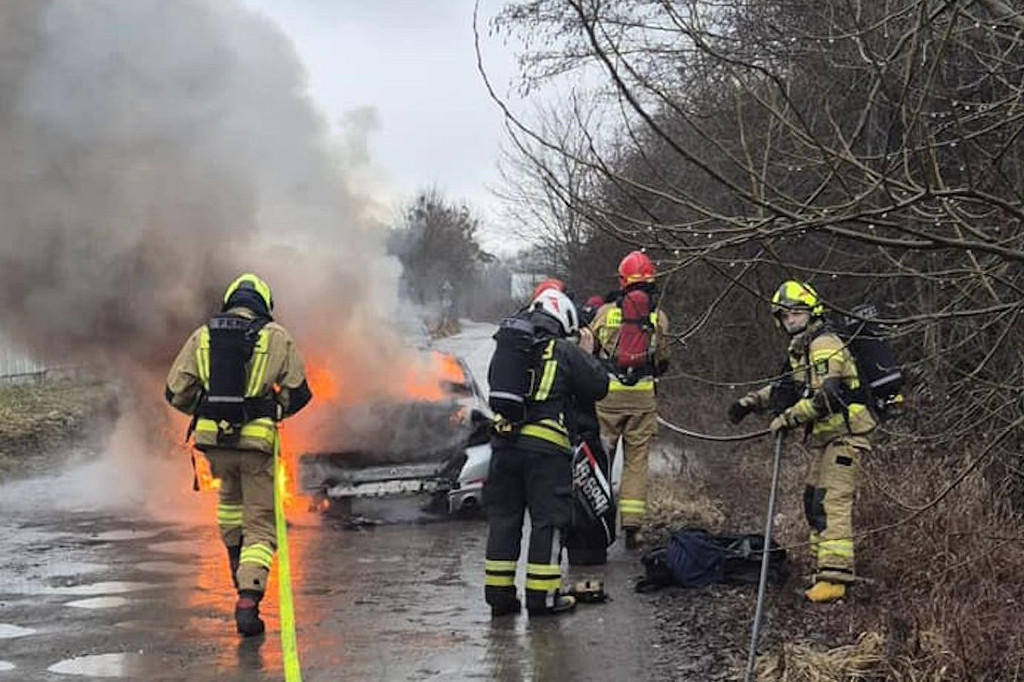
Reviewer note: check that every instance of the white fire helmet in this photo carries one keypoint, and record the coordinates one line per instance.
(559, 306)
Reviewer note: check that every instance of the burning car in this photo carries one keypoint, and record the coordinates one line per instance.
(431, 451)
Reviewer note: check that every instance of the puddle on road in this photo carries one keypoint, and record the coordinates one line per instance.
(99, 603)
(111, 587)
(167, 567)
(192, 547)
(8, 631)
(115, 535)
(142, 626)
(5, 666)
(100, 665)
(21, 585)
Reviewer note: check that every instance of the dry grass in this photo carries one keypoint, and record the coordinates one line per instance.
(678, 502)
(939, 593)
(871, 657)
(802, 663)
(37, 418)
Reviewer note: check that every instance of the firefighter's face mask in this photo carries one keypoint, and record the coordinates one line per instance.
(794, 321)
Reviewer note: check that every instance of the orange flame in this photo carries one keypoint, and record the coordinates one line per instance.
(204, 476)
(428, 380)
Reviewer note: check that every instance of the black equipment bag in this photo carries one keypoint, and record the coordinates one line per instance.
(694, 558)
(512, 372)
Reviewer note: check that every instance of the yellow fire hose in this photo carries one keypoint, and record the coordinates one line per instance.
(289, 646)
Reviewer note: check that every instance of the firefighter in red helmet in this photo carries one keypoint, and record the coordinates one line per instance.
(631, 335)
(549, 283)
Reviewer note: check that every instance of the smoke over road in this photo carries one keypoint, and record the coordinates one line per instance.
(149, 152)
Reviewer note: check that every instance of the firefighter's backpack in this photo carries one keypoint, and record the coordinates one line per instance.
(512, 372)
(633, 348)
(877, 367)
(232, 342)
(695, 558)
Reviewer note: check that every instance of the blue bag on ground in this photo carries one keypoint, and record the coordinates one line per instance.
(694, 558)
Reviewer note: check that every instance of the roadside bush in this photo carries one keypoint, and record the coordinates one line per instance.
(939, 553)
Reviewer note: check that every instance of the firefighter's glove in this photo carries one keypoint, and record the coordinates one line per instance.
(784, 422)
(740, 409)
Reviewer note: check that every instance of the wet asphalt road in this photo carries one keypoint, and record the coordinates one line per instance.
(92, 593)
(93, 589)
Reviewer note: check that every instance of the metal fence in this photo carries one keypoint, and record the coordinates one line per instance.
(16, 365)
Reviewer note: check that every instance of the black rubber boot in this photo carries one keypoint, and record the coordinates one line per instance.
(247, 613)
(234, 558)
(507, 609)
(631, 541)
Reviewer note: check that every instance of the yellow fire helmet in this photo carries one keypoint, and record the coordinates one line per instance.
(250, 281)
(793, 295)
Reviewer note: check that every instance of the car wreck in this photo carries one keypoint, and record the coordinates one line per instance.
(406, 458)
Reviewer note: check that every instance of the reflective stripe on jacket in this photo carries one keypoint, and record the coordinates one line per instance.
(274, 371)
(566, 375)
(817, 356)
(257, 434)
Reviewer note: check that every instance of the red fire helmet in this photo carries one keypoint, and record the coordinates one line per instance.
(549, 283)
(635, 267)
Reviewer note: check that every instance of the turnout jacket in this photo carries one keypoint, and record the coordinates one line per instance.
(275, 372)
(822, 379)
(568, 377)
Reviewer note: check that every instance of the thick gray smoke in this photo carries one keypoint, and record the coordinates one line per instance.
(152, 150)
(149, 152)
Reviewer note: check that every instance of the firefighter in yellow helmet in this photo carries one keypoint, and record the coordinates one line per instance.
(822, 394)
(238, 375)
(630, 336)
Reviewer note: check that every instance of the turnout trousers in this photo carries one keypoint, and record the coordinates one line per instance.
(828, 505)
(523, 480)
(245, 513)
(631, 415)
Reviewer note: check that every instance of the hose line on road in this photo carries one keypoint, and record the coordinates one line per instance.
(289, 646)
(707, 436)
(762, 586)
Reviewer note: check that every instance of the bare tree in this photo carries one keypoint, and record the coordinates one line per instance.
(437, 245)
(872, 147)
(542, 187)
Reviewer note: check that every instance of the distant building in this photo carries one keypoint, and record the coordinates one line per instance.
(523, 284)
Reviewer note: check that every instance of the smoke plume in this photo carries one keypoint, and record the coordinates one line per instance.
(149, 152)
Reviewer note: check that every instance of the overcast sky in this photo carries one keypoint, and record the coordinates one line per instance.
(413, 63)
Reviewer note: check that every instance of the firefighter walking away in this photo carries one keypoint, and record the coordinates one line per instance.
(630, 333)
(239, 375)
(821, 394)
(535, 375)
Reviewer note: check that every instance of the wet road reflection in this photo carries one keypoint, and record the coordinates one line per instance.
(99, 595)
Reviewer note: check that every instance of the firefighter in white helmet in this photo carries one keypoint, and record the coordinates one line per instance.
(530, 466)
(238, 375)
